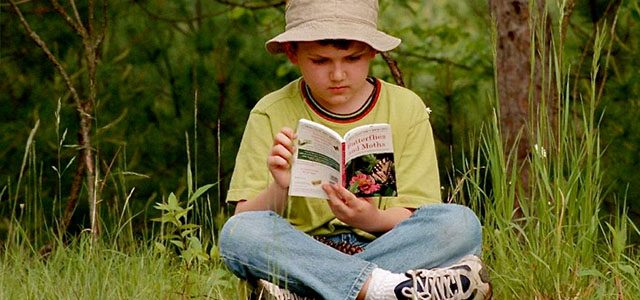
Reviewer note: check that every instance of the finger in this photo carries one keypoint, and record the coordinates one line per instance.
(343, 193)
(281, 151)
(371, 200)
(334, 200)
(285, 137)
(331, 194)
(288, 132)
(278, 162)
(283, 140)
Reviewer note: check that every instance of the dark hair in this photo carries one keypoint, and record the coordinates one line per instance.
(341, 44)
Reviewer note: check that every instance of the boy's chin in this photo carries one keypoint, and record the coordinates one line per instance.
(335, 100)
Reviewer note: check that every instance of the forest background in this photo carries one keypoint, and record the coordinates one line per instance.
(175, 80)
(160, 61)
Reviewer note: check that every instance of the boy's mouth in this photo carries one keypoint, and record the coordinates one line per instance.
(338, 89)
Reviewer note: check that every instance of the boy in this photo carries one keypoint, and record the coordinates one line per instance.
(414, 247)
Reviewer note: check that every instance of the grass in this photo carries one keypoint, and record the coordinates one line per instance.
(83, 270)
(563, 245)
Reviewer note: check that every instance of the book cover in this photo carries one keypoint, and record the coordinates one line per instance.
(362, 161)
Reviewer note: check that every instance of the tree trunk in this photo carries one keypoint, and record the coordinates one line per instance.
(513, 64)
(91, 41)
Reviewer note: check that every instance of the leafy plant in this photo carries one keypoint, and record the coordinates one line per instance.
(178, 234)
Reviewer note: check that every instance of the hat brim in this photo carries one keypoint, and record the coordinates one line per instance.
(316, 31)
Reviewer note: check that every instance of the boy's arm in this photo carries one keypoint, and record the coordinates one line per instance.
(275, 196)
(272, 198)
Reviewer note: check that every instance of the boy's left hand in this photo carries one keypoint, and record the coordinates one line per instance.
(360, 213)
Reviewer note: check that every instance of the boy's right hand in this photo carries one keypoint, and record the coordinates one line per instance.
(279, 160)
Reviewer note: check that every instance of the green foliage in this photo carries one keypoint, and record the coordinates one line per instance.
(179, 234)
(618, 87)
(158, 55)
(155, 58)
(445, 58)
(83, 269)
(559, 244)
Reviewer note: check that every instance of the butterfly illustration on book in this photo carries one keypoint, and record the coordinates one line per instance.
(305, 142)
(383, 171)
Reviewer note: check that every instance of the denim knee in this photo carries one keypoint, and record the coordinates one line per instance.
(457, 223)
(243, 231)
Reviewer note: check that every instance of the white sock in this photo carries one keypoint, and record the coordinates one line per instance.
(382, 284)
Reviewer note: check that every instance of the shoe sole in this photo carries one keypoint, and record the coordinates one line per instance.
(484, 276)
(269, 291)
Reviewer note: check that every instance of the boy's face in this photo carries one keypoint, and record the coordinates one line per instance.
(337, 77)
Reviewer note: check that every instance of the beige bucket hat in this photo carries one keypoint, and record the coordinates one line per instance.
(314, 20)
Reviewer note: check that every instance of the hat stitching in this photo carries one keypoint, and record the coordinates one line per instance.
(307, 24)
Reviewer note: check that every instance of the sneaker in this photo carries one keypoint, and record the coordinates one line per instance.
(465, 280)
(269, 291)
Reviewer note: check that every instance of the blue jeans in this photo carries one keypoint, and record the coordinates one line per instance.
(263, 245)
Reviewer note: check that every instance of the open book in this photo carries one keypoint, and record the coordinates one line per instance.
(362, 161)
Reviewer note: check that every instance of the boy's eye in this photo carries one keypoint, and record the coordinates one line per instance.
(318, 61)
(354, 58)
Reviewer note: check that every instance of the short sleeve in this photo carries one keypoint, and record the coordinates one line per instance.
(251, 174)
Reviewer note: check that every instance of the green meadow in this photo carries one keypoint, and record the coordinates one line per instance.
(171, 104)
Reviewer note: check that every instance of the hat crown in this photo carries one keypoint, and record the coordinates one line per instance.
(303, 12)
(315, 20)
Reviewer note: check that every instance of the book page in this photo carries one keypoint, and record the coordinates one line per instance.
(370, 164)
(317, 160)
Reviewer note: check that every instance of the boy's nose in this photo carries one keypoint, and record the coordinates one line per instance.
(337, 73)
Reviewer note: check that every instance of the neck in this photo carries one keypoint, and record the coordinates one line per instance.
(345, 114)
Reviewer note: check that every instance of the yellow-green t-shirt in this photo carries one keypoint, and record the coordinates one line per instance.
(414, 152)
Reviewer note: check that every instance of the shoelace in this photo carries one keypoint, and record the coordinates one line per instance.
(442, 284)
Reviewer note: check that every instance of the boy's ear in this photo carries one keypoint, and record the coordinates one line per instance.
(372, 52)
(290, 51)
